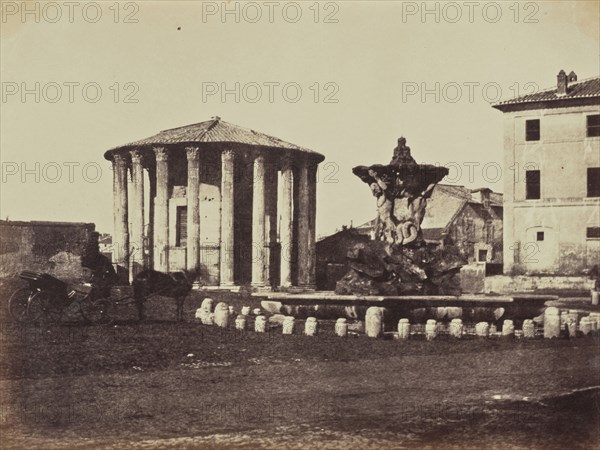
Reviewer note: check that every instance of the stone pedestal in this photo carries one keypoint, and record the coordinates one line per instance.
(260, 324)
(373, 322)
(508, 328)
(431, 330)
(551, 323)
(456, 328)
(341, 327)
(240, 323)
(528, 329)
(482, 329)
(221, 317)
(206, 310)
(311, 327)
(403, 329)
(288, 325)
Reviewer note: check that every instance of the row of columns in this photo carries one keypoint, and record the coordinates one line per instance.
(129, 250)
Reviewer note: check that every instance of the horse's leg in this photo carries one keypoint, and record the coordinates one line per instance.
(179, 301)
(139, 303)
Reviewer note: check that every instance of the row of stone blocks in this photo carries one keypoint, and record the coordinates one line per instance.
(555, 323)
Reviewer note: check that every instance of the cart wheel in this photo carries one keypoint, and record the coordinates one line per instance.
(18, 306)
(97, 311)
(51, 308)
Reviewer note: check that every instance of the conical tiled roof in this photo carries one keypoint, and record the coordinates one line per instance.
(213, 131)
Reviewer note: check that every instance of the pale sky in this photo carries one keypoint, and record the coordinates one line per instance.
(374, 58)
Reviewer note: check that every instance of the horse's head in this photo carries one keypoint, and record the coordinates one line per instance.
(594, 272)
(188, 276)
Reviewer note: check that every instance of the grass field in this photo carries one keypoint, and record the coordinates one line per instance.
(171, 385)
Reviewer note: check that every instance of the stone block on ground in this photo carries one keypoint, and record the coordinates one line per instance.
(311, 327)
(528, 329)
(508, 328)
(403, 329)
(456, 328)
(482, 329)
(431, 330)
(288, 325)
(221, 315)
(374, 322)
(341, 327)
(551, 322)
(260, 324)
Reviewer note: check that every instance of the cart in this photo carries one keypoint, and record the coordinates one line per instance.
(47, 297)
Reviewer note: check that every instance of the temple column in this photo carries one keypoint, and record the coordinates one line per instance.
(271, 268)
(136, 244)
(193, 209)
(312, 218)
(161, 211)
(285, 232)
(151, 202)
(304, 227)
(121, 232)
(227, 218)
(258, 222)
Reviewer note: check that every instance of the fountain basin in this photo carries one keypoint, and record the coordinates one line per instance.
(329, 305)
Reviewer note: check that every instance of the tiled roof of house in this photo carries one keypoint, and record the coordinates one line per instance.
(214, 130)
(445, 202)
(588, 88)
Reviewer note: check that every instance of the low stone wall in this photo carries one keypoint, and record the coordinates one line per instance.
(521, 283)
(472, 278)
(52, 247)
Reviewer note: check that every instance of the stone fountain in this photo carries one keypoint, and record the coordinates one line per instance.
(398, 261)
(397, 271)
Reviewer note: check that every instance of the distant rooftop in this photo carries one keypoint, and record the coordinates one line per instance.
(44, 223)
(567, 89)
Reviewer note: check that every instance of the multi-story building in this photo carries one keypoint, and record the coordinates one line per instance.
(552, 178)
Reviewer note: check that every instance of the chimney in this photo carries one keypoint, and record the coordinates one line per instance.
(572, 76)
(561, 83)
(485, 197)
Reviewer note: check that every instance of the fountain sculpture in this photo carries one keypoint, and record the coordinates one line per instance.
(398, 271)
(398, 261)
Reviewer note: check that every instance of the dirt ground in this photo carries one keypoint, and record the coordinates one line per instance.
(162, 384)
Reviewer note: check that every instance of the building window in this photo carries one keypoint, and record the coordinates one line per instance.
(181, 227)
(593, 182)
(593, 125)
(532, 130)
(540, 236)
(593, 233)
(532, 181)
(482, 256)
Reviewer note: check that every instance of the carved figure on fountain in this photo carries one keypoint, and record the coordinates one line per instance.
(398, 262)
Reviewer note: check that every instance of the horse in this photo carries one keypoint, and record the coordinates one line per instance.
(175, 285)
(594, 274)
